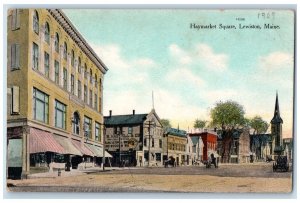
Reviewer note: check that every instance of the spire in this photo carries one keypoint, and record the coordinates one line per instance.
(152, 100)
(276, 118)
(178, 127)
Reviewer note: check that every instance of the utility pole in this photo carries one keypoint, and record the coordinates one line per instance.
(119, 149)
(149, 127)
(103, 159)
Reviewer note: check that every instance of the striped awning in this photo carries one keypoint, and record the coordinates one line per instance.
(96, 150)
(42, 141)
(67, 145)
(83, 149)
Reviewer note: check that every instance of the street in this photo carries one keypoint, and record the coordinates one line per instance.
(257, 177)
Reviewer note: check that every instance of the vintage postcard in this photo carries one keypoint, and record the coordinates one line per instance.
(150, 100)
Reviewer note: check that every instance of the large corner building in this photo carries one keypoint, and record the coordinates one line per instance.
(54, 93)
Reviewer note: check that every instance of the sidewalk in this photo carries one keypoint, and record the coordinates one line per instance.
(76, 172)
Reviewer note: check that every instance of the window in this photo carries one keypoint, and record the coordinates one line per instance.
(158, 156)
(15, 19)
(15, 100)
(97, 131)
(65, 53)
(56, 65)
(160, 143)
(100, 107)
(85, 94)
(91, 76)
(40, 106)
(46, 64)
(95, 101)
(35, 56)
(76, 123)
(56, 43)
(60, 115)
(91, 98)
(15, 56)
(72, 83)
(152, 142)
(85, 71)
(87, 127)
(65, 78)
(35, 22)
(129, 130)
(79, 89)
(100, 83)
(79, 65)
(47, 33)
(145, 142)
(96, 81)
(72, 58)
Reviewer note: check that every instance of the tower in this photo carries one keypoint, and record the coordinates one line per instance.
(276, 130)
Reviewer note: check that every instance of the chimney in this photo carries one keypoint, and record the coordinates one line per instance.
(110, 112)
(133, 112)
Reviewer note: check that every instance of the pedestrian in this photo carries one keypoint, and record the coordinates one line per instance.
(213, 160)
(140, 162)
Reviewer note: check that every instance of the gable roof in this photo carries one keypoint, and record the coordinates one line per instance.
(125, 119)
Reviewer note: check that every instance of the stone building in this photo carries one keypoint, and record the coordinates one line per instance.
(130, 138)
(54, 93)
(175, 142)
(276, 131)
(234, 147)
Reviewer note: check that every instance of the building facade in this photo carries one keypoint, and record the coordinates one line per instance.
(175, 142)
(54, 92)
(194, 150)
(276, 131)
(130, 138)
(209, 139)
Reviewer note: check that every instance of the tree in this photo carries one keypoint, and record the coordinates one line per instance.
(199, 123)
(165, 123)
(228, 115)
(259, 125)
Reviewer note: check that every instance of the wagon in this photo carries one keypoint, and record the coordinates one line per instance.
(281, 164)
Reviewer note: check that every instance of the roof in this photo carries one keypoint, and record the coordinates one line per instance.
(176, 132)
(276, 118)
(125, 119)
(195, 140)
(64, 21)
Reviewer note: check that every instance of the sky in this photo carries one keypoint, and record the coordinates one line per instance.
(190, 69)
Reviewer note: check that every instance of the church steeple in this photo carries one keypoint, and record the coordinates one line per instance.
(276, 118)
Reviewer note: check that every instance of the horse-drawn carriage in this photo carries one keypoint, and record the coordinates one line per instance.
(281, 164)
(170, 162)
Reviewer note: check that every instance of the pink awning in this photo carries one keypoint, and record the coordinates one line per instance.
(83, 149)
(42, 141)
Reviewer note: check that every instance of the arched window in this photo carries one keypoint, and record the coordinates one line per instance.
(56, 43)
(76, 123)
(79, 65)
(72, 58)
(65, 50)
(47, 33)
(35, 22)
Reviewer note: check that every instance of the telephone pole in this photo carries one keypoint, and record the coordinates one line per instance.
(149, 136)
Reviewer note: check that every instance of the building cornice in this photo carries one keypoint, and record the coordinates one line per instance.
(67, 25)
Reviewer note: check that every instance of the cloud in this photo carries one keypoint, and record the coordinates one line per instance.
(212, 61)
(186, 76)
(276, 61)
(201, 54)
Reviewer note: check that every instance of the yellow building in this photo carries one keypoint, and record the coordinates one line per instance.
(54, 93)
(175, 142)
